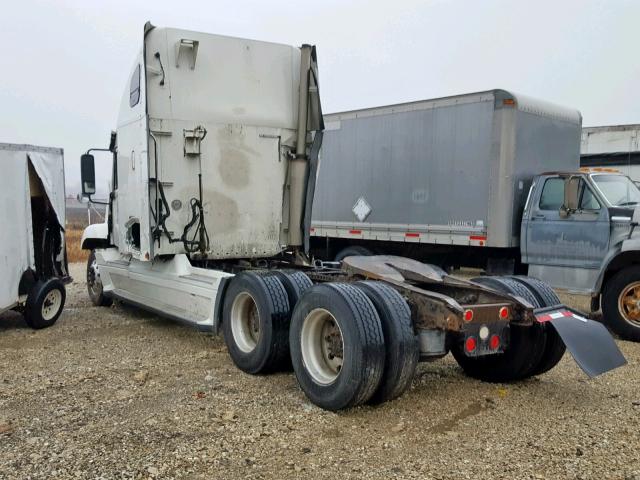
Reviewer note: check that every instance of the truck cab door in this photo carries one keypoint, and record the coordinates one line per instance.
(130, 198)
(565, 247)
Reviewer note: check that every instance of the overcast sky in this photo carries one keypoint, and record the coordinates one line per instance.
(66, 62)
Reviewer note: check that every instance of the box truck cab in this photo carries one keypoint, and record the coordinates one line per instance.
(578, 233)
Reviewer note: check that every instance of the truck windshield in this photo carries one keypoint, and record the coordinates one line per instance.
(619, 190)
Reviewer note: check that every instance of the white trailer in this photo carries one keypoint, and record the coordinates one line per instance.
(214, 166)
(33, 263)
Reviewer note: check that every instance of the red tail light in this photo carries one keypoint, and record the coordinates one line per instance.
(494, 342)
(503, 313)
(468, 315)
(470, 344)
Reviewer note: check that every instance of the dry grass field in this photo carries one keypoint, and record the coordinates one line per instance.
(73, 235)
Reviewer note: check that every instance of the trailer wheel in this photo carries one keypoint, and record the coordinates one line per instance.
(526, 344)
(337, 346)
(94, 283)
(401, 343)
(353, 250)
(621, 303)
(45, 302)
(554, 347)
(255, 323)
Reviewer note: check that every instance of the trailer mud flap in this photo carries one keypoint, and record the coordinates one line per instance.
(590, 343)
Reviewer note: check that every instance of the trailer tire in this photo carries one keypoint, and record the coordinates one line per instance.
(620, 318)
(353, 251)
(94, 283)
(554, 347)
(400, 341)
(525, 349)
(337, 346)
(255, 323)
(45, 303)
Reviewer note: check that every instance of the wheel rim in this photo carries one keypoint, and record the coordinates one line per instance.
(245, 322)
(51, 304)
(322, 346)
(629, 303)
(93, 279)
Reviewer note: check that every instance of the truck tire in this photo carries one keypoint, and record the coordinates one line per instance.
(45, 302)
(255, 323)
(401, 344)
(295, 283)
(353, 251)
(337, 346)
(621, 303)
(526, 345)
(94, 283)
(554, 347)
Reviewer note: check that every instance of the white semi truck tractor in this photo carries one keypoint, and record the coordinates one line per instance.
(214, 165)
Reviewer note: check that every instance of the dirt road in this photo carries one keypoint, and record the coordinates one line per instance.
(119, 393)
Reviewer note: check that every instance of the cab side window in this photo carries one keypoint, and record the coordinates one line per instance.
(552, 196)
(134, 88)
(588, 200)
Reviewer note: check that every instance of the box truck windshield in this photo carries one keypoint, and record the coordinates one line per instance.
(619, 190)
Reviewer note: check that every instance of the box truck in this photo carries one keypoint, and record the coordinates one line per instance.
(33, 262)
(214, 166)
(481, 180)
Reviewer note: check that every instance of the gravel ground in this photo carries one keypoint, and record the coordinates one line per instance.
(119, 393)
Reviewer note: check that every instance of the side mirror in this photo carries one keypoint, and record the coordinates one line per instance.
(571, 196)
(87, 175)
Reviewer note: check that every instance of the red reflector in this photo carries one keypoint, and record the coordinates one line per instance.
(477, 237)
(355, 232)
(412, 235)
(468, 315)
(494, 342)
(503, 312)
(470, 344)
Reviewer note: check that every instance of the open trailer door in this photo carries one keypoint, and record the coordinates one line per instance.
(33, 264)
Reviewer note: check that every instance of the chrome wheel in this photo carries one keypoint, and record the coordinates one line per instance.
(322, 346)
(51, 304)
(245, 322)
(629, 303)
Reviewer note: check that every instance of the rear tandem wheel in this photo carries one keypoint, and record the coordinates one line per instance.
(531, 351)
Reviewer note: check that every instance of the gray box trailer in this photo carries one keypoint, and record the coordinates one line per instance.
(450, 172)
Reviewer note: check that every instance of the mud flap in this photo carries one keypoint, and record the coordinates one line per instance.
(590, 343)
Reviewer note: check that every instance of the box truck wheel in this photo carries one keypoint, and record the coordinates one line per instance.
(337, 346)
(255, 323)
(94, 283)
(45, 302)
(554, 347)
(621, 303)
(524, 351)
(352, 251)
(401, 343)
